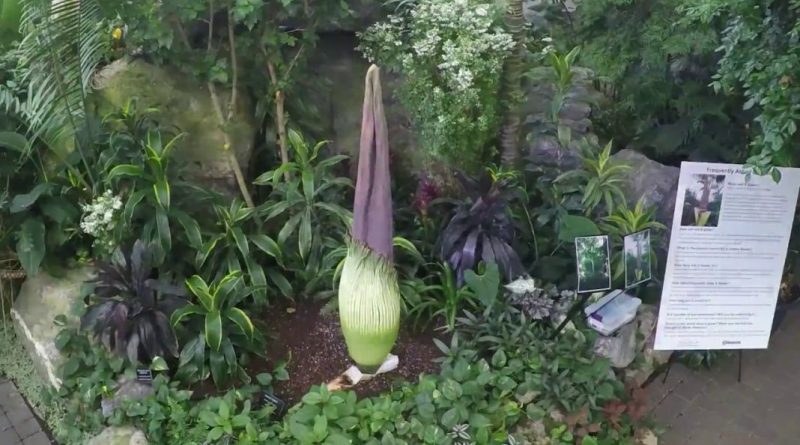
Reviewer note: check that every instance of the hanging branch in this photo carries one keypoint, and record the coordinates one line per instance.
(222, 119)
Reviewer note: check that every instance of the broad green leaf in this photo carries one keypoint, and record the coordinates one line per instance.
(13, 140)
(289, 228)
(25, 200)
(159, 364)
(182, 312)
(59, 210)
(241, 319)
(268, 246)
(308, 185)
(129, 170)
(280, 281)
(162, 193)
(30, 245)
(200, 289)
(257, 278)
(164, 233)
(213, 330)
(241, 242)
(573, 226)
(305, 235)
(190, 227)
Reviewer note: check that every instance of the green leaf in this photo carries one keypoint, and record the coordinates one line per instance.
(213, 330)
(257, 278)
(162, 193)
(59, 211)
(241, 242)
(30, 245)
(129, 170)
(280, 281)
(485, 286)
(190, 227)
(200, 289)
(289, 228)
(308, 185)
(25, 200)
(159, 364)
(241, 319)
(184, 311)
(164, 233)
(268, 246)
(304, 238)
(13, 140)
(573, 226)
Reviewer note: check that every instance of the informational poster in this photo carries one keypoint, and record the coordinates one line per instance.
(730, 235)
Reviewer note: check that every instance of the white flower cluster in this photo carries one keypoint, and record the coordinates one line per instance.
(451, 55)
(99, 219)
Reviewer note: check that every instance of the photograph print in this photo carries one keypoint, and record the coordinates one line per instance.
(638, 268)
(593, 257)
(702, 201)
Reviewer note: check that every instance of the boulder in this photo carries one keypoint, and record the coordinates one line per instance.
(128, 389)
(341, 70)
(651, 360)
(183, 103)
(41, 299)
(656, 183)
(620, 348)
(119, 435)
(544, 148)
(541, 13)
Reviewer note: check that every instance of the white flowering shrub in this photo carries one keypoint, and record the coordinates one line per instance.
(99, 221)
(450, 53)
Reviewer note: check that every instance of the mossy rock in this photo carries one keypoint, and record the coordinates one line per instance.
(115, 435)
(184, 103)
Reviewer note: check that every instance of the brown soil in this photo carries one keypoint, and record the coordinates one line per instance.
(313, 340)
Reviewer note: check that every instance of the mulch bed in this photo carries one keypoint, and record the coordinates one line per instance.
(313, 341)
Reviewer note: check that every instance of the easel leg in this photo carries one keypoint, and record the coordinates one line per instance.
(571, 313)
(739, 380)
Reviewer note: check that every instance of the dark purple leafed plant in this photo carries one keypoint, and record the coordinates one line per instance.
(481, 230)
(131, 310)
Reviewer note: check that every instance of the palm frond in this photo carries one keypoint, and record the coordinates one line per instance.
(61, 48)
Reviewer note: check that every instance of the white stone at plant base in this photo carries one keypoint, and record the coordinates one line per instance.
(620, 348)
(41, 299)
(116, 435)
(128, 389)
(651, 359)
(355, 375)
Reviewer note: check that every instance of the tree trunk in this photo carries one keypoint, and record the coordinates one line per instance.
(512, 86)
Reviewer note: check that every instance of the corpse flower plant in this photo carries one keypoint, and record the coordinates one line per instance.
(369, 295)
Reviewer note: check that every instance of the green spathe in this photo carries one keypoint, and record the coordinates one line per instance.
(369, 306)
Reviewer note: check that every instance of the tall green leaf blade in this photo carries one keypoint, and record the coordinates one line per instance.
(128, 170)
(258, 279)
(241, 319)
(30, 245)
(241, 242)
(305, 236)
(268, 246)
(14, 141)
(213, 330)
(200, 289)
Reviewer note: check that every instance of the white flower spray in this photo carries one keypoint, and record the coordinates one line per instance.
(100, 219)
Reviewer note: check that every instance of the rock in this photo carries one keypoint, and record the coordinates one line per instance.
(544, 148)
(184, 103)
(620, 348)
(530, 432)
(651, 360)
(127, 390)
(648, 179)
(41, 299)
(116, 435)
(541, 13)
(341, 70)
(646, 436)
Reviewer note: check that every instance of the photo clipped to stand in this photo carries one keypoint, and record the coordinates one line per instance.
(727, 250)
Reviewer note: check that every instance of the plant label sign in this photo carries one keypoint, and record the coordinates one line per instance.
(730, 234)
(144, 375)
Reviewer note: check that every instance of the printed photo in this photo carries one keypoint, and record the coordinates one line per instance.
(702, 201)
(637, 258)
(593, 257)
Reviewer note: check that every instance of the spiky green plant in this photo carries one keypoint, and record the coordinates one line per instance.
(369, 295)
(61, 47)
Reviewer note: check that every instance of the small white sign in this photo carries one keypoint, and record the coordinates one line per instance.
(730, 234)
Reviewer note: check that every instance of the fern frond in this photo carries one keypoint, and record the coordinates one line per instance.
(61, 48)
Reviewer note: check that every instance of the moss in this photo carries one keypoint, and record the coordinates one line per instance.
(16, 365)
